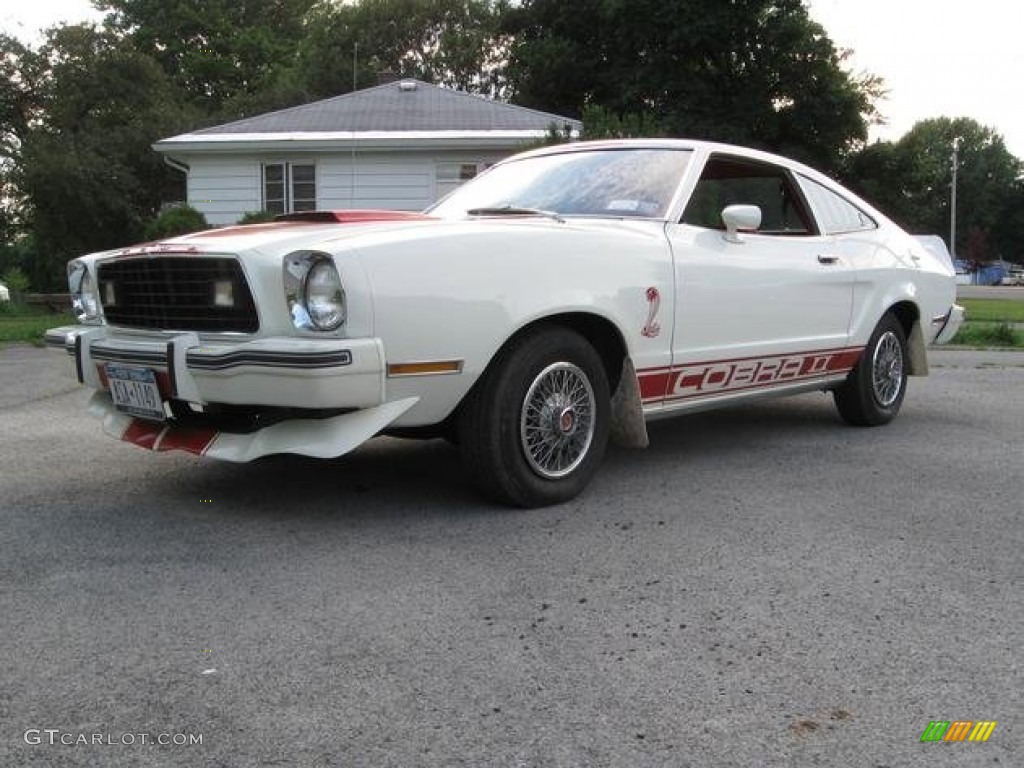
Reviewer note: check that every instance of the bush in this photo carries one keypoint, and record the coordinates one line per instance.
(17, 281)
(176, 221)
(256, 217)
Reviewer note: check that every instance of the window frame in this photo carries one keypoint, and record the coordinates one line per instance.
(785, 174)
(823, 221)
(289, 199)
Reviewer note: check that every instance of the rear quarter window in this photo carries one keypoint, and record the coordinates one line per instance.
(837, 214)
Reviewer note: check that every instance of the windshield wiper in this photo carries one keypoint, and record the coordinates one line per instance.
(511, 210)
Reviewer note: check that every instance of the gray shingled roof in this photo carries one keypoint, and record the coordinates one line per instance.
(394, 107)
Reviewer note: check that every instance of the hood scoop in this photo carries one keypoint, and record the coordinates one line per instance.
(358, 216)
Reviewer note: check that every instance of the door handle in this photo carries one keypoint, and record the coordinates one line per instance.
(823, 259)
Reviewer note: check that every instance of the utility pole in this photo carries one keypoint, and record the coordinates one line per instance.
(952, 204)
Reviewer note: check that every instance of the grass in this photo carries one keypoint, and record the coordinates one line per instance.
(22, 324)
(993, 310)
(979, 334)
(990, 323)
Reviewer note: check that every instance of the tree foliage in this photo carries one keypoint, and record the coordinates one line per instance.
(84, 168)
(20, 74)
(215, 50)
(179, 220)
(79, 113)
(454, 43)
(749, 71)
(911, 180)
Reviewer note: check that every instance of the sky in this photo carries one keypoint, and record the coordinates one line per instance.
(949, 58)
(938, 58)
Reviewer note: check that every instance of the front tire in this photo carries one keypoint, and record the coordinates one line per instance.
(874, 391)
(534, 429)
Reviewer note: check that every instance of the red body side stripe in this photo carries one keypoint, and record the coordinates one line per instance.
(721, 377)
(653, 385)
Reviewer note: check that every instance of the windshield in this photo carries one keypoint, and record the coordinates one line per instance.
(600, 182)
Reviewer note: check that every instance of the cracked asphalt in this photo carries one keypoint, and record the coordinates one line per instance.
(763, 586)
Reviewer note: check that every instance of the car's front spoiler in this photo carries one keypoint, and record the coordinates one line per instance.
(948, 324)
(319, 438)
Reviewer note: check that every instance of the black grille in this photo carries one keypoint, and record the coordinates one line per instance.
(176, 293)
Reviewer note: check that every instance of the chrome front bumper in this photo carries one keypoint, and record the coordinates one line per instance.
(275, 372)
(307, 374)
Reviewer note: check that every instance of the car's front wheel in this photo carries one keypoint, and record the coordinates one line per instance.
(874, 390)
(535, 427)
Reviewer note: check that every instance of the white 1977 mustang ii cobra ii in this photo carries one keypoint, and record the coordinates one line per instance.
(565, 296)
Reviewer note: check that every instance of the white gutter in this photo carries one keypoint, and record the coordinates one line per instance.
(343, 140)
(176, 164)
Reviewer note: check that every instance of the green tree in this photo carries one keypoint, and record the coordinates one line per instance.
(446, 42)
(20, 107)
(1006, 232)
(602, 123)
(85, 170)
(910, 180)
(749, 71)
(215, 50)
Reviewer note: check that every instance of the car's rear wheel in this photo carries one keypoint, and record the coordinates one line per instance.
(875, 388)
(535, 427)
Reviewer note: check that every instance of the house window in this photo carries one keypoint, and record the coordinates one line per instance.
(289, 187)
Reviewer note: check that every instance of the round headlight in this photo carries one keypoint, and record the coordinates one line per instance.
(324, 296)
(83, 293)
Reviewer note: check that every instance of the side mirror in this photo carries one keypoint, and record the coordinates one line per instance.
(740, 218)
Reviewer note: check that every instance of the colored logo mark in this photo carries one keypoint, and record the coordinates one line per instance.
(958, 730)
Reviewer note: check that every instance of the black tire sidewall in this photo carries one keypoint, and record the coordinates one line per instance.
(856, 399)
(503, 470)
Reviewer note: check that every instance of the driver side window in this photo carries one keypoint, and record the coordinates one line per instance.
(729, 181)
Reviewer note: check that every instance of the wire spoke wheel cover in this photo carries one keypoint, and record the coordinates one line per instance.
(557, 421)
(887, 369)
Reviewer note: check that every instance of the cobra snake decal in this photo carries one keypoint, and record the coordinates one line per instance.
(652, 328)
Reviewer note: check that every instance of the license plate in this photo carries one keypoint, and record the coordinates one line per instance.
(135, 392)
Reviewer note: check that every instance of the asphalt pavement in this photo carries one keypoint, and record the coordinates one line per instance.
(763, 586)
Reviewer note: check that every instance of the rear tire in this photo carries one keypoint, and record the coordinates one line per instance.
(534, 429)
(873, 392)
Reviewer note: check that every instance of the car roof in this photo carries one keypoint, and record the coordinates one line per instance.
(679, 144)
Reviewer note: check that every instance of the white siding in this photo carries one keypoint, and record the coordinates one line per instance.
(402, 182)
(225, 187)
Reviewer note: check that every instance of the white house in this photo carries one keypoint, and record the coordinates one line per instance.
(398, 146)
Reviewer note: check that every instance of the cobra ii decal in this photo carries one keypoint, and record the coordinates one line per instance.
(718, 377)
